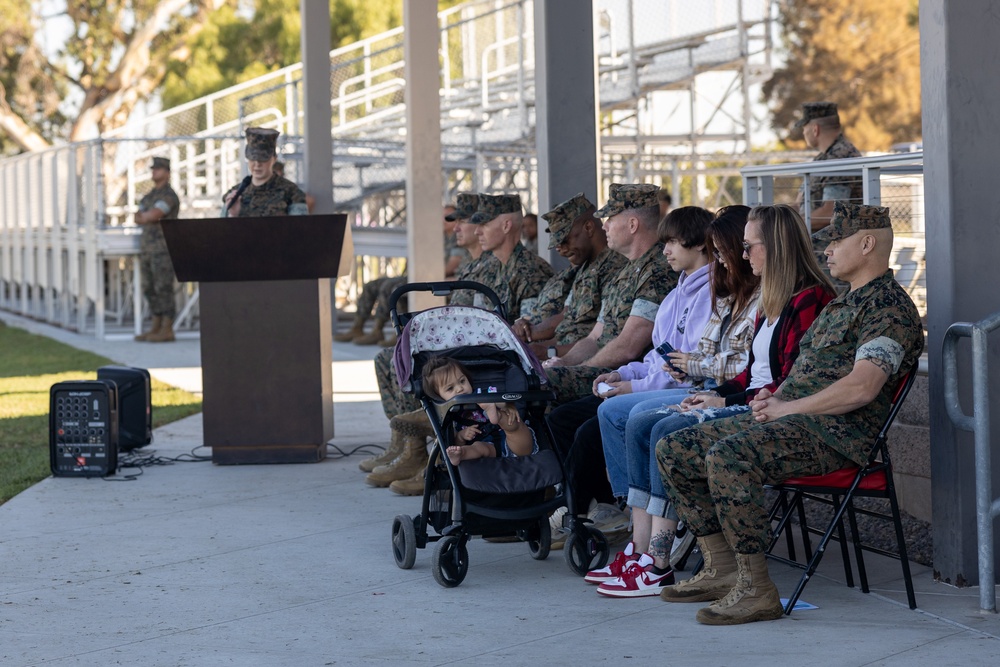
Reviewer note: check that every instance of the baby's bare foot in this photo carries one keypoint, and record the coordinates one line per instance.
(455, 454)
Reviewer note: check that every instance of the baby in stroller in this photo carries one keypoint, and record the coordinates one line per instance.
(491, 430)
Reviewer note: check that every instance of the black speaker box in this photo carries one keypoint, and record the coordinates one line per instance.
(135, 408)
(83, 428)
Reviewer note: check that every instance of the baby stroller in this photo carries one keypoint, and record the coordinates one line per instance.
(489, 497)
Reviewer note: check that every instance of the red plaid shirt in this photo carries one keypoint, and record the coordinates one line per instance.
(796, 317)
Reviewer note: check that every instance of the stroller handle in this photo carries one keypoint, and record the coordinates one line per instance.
(443, 288)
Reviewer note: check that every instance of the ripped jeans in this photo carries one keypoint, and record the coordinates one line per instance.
(643, 431)
(615, 415)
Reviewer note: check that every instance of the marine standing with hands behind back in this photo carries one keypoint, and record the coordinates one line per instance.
(263, 193)
(161, 203)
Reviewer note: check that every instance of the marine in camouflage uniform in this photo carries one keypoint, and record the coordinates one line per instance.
(833, 187)
(575, 292)
(276, 196)
(714, 472)
(518, 280)
(156, 269)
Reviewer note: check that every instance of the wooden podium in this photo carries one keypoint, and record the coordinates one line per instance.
(266, 345)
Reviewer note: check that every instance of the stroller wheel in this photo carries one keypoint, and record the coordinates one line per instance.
(586, 549)
(540, 547)
(451, 561)
(404, 541)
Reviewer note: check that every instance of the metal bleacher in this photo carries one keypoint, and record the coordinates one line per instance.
(67, 245)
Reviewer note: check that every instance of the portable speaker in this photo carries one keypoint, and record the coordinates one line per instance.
(83, 428)
(135, 408)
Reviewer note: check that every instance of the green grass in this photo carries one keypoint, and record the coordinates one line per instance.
(29, 366)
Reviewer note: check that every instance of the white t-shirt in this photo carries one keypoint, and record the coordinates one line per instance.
(760, 372)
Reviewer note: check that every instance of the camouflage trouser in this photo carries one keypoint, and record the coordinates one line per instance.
(572, 382)
(157, 273)
(394, 400)
(714, 473)
(375, 295)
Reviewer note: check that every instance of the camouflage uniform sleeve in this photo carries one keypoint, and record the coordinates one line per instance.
(296, 199)
(655, 281)
(889, 333)
(526, 275)
(171, 202)
(552, 299)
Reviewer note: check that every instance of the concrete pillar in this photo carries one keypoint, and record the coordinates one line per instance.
(318, 181)
(566, 107)
(961, 114)
(316, 93)
(424, 190)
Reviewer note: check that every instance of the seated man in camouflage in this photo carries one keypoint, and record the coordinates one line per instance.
(822, 418)
(520, 275)
(624, 328)
(623, 333)
(567, 307)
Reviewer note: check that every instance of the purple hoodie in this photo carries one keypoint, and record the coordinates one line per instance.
(680, 320)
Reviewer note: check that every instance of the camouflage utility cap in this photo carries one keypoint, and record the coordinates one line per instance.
(562, 217)
(262, 143)
(813, 110)
(490, 206)
(161, 163)
(634, 195)
(849, 219)
(465, 205)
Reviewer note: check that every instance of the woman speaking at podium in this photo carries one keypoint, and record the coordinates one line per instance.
(263, 193)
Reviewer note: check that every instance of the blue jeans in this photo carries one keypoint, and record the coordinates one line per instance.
(643, 431)
(614, 414)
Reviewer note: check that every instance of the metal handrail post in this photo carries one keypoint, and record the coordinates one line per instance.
(987, 508)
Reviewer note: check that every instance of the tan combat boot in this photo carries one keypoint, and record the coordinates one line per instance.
(414, 486)
(389, 342)
(165, 334)
(375, 336)
(414, 428)
(356, 331)
(154, 328)
(754, 598)
(394, 449)
(717, 576)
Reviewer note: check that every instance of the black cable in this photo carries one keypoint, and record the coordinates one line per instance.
(141, 460)
(335, 452)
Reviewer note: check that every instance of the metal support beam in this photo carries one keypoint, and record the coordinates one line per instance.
(566, 108)
(960, 100)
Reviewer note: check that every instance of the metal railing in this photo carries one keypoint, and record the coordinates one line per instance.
(987, 507)
(895, 181)
(67, 241)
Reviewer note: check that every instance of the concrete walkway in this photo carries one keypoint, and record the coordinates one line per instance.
(195, 564)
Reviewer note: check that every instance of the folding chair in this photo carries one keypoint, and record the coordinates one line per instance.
(839, 489)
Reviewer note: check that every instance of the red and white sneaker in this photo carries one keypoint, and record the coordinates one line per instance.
(616, 568)
(641, 579)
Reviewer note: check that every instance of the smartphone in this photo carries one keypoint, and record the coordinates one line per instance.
(663, 349)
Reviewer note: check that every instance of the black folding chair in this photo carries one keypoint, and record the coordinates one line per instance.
(838, 490)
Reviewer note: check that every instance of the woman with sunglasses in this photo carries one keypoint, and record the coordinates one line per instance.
(793, 292)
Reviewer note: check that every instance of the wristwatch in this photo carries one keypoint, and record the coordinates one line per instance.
(552, 352)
